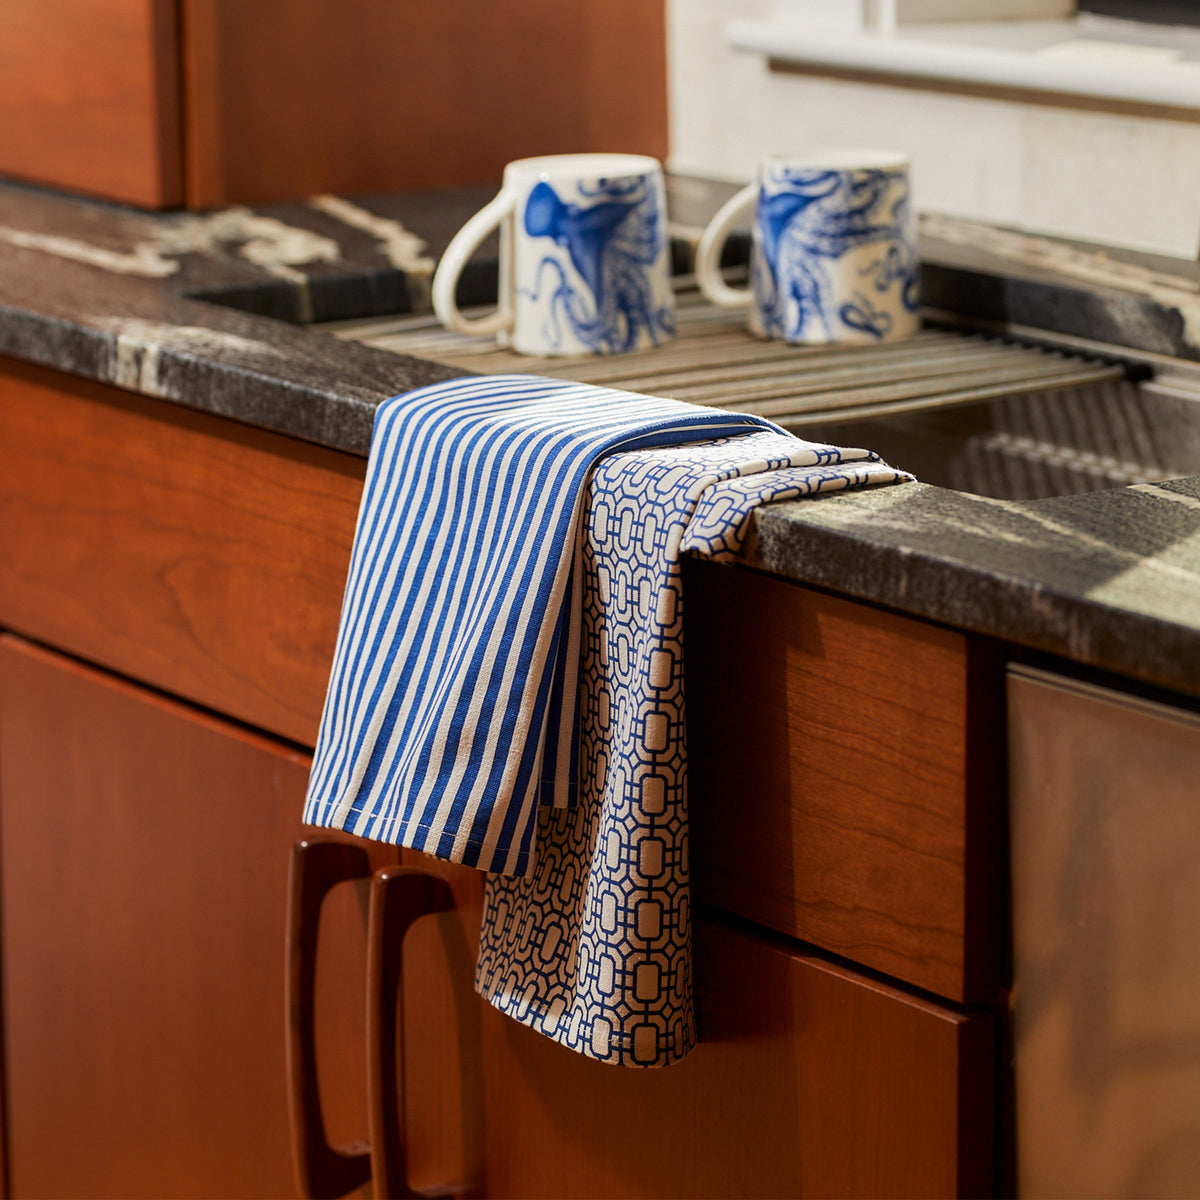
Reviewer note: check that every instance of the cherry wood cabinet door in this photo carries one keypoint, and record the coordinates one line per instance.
(90, 93)
(290, 97)
(1106, 939)
(145, 856)
(211, 102)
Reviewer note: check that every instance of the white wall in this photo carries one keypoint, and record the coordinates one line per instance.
(1098, 176)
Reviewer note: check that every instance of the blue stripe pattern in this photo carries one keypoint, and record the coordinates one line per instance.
(453, 628)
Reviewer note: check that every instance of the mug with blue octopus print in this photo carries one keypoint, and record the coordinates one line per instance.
(585, 263)
(833, 249)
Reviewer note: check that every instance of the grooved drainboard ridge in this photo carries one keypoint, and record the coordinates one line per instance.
(715, 361)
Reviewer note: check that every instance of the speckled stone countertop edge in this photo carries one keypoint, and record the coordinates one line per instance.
(1037, 574)
(286, 379)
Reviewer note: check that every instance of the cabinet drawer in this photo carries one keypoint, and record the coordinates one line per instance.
(187, 551)
(845, 768)
(808, 1080)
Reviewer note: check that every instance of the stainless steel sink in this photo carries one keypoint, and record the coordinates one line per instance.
(1053, 443)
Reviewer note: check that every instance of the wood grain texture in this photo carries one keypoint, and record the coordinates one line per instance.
(809, 1080)
(190, 552)
(1106, 938)
(145, 890)
(831, 797)
(286, 99)
(89, 90)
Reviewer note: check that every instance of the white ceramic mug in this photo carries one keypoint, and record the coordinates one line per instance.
(585, 263)
(833, 254)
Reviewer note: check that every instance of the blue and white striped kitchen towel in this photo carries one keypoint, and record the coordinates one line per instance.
(511, 631)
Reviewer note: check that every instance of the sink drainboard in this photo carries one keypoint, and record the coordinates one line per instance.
(959, 409)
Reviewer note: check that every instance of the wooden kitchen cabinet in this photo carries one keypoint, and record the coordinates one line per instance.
(144, 892)
(144, 880)
(187, 572)
(211, 102)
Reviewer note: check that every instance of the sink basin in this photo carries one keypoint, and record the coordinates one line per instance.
(1043, 444)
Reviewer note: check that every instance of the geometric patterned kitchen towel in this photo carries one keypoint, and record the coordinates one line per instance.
(594, 948)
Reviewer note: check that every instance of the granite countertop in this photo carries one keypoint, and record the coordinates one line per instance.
(210, 311)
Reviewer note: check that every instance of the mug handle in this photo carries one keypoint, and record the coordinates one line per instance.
(712, 242)
(464, 244)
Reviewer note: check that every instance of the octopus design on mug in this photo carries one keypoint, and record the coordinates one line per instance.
(822, 215)
(609, 244)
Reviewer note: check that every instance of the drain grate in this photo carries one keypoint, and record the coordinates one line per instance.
(715, 361)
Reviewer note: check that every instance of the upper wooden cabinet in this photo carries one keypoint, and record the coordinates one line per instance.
(89, 91)
(211, 102)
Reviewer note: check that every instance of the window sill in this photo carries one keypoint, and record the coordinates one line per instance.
(1089, 59)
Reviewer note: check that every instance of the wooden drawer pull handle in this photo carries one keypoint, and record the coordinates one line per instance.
(323, 1172)
(399, 895)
